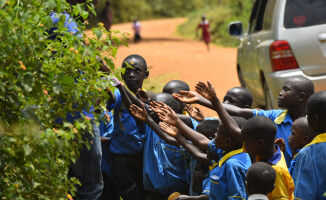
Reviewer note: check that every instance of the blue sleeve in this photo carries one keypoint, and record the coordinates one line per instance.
(213, 150)
(236, 176)
(272, 114)
(194, 123)
(117, 102)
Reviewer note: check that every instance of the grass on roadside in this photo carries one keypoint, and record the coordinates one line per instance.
(156, 84)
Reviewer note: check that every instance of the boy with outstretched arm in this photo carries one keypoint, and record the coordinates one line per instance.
(309, 174)
(293, 98)
(165, 169)
(227, 179)
(258, 135)
(127, 139)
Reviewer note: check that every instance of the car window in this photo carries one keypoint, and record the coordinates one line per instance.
(257, 15)
(303, 13)
(267, 24)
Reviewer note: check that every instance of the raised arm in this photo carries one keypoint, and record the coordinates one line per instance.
(190, 148)
(208, 92)
(141, 114)
(191, 97)
(167, 115)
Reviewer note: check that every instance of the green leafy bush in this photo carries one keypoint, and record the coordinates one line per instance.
(40, 81)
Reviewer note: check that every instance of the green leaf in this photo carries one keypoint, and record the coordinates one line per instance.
(98, 33)
(27, 149)
(28, 82)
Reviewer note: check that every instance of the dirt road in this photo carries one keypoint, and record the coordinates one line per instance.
(171, 57)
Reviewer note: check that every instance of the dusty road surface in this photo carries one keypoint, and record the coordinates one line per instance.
(170, 57)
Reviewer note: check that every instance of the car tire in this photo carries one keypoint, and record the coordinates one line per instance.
(268, 99)
(241, 78)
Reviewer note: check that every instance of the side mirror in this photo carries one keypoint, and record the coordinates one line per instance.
(235, 29)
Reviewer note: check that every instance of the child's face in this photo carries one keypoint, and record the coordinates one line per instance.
(221, 140)
(253, 147)
(134, 77)
(234, 97)
(297, 139)
(288, 96)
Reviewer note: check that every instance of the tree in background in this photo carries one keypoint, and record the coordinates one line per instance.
(41, 80)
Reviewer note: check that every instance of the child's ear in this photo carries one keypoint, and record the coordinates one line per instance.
(260, 142)
(306, 139)
(302, 96)
(146, 74)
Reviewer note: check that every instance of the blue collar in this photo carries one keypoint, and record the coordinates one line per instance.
(276, 157)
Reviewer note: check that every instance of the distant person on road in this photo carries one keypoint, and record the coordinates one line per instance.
(204, 25)
(136, 26)
(107, 16)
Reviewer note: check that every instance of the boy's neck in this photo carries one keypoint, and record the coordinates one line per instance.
(297, 113)
(268, 154)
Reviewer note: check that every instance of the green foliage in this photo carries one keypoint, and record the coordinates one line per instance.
(40, 81)
(219, 18)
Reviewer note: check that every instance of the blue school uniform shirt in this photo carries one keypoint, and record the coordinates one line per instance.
(309, 174)
(227, 179)
(164, 169)
(127, 136)
(284, 125)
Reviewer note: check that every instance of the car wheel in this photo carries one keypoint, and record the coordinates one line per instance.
(268, 99)
(241, 78)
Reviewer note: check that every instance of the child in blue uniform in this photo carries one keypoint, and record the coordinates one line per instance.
(128, 137)
(227, 179)
(309, 174)
(165, 168)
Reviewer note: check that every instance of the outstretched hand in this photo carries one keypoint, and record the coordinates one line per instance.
(280, 142)
(142, 96)
(139, 113)
(206, 90)
(157, 106)
(166, 114)
(195, 113)
(186, 96)
(171, 130)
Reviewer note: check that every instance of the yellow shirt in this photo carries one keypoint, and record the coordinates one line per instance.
(284, 185)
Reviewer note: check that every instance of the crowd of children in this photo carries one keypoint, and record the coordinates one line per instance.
(157, 146)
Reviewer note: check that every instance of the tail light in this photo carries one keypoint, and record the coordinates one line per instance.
(282, 57)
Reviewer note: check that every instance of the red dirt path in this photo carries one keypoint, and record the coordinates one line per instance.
(187, 59)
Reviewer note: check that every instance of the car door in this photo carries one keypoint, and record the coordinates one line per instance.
(249, 65)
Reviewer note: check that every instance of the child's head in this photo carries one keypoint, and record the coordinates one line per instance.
(169, 100)
(295, 92)
(316, 111)
(135, 71)
(208, 128)
(258, 134)
(238, 96)
(224, 140)
(301, 135)
(260, 179)
(175, 86)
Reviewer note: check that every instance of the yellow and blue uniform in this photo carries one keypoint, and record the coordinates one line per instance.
(212, 149)
(227, 179)
(284, 186)
(284, 125)
(164, 166)
(127, 137)
(309, 174)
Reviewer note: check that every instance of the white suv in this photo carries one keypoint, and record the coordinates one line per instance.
(285, 38)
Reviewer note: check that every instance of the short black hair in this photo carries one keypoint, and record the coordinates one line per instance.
(137, 57)
(316, 109)
(247, 96)
(260, 127)
(175, 86)
(169, 100)
(260, 178)
(304, 126)
(208, 127)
